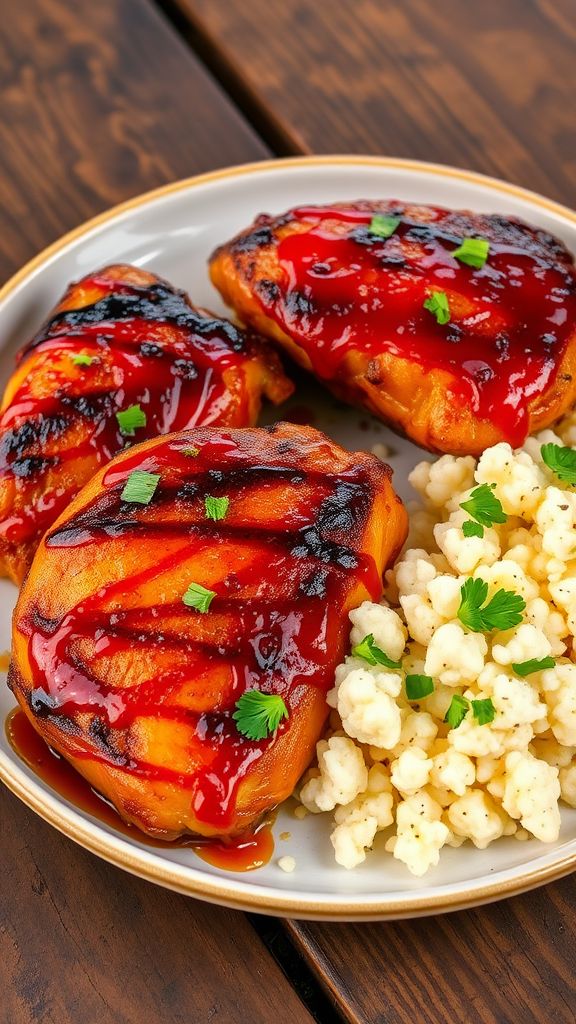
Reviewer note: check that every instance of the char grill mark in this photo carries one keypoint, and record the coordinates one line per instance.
(341, 514)
(32, 432)
(155, 304)
(261, 236)
(32, 466)
(95, 406)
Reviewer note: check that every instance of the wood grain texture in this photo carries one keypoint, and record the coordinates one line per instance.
(506, 963)
(84, 943)
(486, 85)
(100, 101)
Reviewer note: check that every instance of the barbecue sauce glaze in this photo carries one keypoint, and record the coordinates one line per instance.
(343, 288)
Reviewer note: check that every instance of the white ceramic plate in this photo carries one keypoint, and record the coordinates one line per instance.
(171, 232)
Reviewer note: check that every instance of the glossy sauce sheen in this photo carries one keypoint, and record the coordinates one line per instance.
(150, 348)
(243, 854)
(276, 580)
(344, 289)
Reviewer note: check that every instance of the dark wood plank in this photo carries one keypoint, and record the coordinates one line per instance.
(100, 101)
(485, 85)
(84, 943)
(501, 964)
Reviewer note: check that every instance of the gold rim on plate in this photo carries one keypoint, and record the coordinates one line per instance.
(140, 862)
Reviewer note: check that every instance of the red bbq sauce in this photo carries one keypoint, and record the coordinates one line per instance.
(343, 289)
(242, 854)
(274, 624)
(150, 348)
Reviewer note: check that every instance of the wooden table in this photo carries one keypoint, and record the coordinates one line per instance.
(103, 100)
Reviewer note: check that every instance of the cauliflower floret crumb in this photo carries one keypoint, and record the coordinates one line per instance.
(453, 771)
(368, 712)
(454, 656)
(420, 833)
(358, 822)
(287, 863)
(476, 816)
(561, 701)
(568, 784)
(386, 626)
(411, 771)
(343, 774)
(531, 794)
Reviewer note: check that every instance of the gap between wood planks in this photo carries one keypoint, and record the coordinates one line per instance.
(231, 80)
(273, 934)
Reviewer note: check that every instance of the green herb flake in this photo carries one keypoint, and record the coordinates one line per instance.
(457, 711)
(191, 452)
(561, 460)
(82, 359)
(258, 714)
(503, 611)
(437, 304)
(198, 597)
(483, 711)
(470, 529)
(130, 420)
(418, 686)
(383, 226)
(216, 508)
(484, 507)
(374, 655)
(140, 487)
(526, 668)
(473, 251)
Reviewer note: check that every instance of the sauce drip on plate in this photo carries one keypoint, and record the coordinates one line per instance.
(342, 289)
(242, 854)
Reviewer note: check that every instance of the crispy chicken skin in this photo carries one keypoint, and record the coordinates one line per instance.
(348, 304)
(119, 337)
(135, 688)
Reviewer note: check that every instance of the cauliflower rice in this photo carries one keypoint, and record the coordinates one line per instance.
(390, 763)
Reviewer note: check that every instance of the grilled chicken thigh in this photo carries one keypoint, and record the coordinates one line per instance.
(143, 622)
(124, 356)
(458, 329)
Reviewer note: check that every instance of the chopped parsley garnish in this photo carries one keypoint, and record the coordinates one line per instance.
(484, 508)
(503, 611)
(383, 226)
(418, 686)
(130, 420)
(437, 304)
(216, 508)
(457, 711)
(473, 251)
(140, 487)
(198, 597)
(526, 668)
(470, 529)
(82, 359)
(191, 451)
(259, 714)
(483, 711)
(373, 654)
(561, 460)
